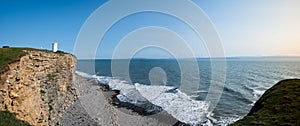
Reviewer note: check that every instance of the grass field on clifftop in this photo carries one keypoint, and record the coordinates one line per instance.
(8, 55)
(279, 106)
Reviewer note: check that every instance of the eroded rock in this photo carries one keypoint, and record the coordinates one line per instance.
(38, 88)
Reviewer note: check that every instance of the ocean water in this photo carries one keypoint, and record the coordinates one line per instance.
(246, 80)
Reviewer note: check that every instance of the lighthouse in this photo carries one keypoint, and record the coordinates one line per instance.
(54, 47)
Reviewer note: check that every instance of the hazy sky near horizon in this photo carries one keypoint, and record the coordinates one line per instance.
(246, 28)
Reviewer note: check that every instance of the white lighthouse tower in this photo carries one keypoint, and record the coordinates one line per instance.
(54, 47)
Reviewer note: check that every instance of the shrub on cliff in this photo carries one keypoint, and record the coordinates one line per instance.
(9, 119)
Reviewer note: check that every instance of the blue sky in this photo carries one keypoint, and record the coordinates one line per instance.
(246, 28)
(37, 23)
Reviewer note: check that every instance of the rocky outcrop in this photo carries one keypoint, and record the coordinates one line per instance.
(278, 106)
(39, 87)
(95, 107)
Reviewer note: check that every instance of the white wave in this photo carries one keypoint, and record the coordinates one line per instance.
(201, 91)
(224, 121)
(178, 104)
(172, 100)
(257, 93)
(85, 75)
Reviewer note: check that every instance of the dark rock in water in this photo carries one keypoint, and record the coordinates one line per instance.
(180, 124)
(104, 87)
(174, 90)
(116, 92)
(144, 108)
(278, 106)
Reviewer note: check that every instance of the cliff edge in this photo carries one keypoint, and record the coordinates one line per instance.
(38, 86)
(278, 106)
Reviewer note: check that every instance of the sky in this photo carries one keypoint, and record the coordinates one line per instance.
(246, 28)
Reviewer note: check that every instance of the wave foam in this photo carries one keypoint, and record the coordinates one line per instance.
(257, 93)
(170, 99)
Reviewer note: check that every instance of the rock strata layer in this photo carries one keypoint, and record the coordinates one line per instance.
(39, 87)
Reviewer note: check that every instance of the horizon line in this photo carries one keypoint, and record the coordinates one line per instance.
(167, 58)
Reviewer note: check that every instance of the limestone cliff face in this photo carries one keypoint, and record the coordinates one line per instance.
(39, 87)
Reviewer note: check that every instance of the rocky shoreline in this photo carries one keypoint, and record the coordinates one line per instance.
(98, 105)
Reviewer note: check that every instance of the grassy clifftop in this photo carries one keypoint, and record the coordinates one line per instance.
(280, 105)
(8, 55)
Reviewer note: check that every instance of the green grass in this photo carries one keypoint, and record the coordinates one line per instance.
(8, 55)
(9, 119)
(280, 105)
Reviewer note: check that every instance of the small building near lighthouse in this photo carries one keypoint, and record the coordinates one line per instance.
(54, 46)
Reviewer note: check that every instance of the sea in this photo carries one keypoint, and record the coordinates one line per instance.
(159, 82)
